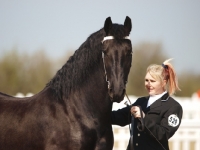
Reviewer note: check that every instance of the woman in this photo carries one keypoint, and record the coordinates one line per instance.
(161, 113)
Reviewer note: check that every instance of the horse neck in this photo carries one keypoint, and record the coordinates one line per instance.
(92, 94)
(82, 77)
(96, 87)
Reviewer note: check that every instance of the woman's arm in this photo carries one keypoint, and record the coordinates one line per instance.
(121, 117)
(169, 124)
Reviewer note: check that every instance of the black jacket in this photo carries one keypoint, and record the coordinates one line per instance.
(162, 119)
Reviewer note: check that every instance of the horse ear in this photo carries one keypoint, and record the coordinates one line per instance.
(127, 24)
(107, 25)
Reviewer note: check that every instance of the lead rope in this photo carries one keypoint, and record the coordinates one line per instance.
(144, 125)
(130, 107)
(156, 138)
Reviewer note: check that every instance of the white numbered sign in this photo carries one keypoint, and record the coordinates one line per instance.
(173, 120)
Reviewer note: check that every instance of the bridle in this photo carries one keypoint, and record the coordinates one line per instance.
(112, 37)
(104, 65)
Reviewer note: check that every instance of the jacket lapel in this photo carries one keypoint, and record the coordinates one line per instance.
(158, 102)
(144, 104)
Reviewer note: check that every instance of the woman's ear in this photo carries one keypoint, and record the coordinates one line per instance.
(164, 83)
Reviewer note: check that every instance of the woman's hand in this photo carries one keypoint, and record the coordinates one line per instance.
(135, 111)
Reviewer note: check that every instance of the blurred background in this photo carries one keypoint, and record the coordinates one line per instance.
(37, 37)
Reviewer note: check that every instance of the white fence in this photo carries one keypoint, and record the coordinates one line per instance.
(186, 138)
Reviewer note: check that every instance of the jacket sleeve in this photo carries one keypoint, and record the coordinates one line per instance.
(121, 117)
(169, 124)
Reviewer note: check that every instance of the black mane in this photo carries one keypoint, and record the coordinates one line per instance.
(81, 65)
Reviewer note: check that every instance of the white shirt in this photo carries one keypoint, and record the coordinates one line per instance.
(153, 98)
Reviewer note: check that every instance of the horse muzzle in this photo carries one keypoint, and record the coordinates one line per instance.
(116, 96)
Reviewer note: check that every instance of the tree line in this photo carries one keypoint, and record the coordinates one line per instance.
(30, 73)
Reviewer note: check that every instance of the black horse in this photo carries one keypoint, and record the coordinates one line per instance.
(73, 111)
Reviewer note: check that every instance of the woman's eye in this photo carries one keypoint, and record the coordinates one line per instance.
(146, 80)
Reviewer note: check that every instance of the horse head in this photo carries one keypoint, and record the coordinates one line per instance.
(117, 57)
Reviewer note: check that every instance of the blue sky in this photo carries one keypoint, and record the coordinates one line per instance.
(59, 26)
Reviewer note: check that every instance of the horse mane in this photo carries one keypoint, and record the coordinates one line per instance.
(82, 63)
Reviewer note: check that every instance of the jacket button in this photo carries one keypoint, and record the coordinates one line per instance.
(136, 144)
(138, 134)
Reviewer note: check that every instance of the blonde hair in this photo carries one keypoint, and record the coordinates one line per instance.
(165, 72)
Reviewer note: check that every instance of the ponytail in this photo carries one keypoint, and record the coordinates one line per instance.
(170, 76)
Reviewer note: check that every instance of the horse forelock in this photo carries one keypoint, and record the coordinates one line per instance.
(118, 31)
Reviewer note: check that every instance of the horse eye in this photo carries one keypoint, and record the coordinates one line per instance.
(104, 51)
(129, 53)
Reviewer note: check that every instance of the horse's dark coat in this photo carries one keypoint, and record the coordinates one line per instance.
(73, 111)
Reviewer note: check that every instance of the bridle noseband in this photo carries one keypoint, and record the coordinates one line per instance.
(104, 65)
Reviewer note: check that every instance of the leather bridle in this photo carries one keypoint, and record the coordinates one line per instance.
(104, 65)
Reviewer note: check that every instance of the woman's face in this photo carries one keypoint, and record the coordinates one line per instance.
(153, 86)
